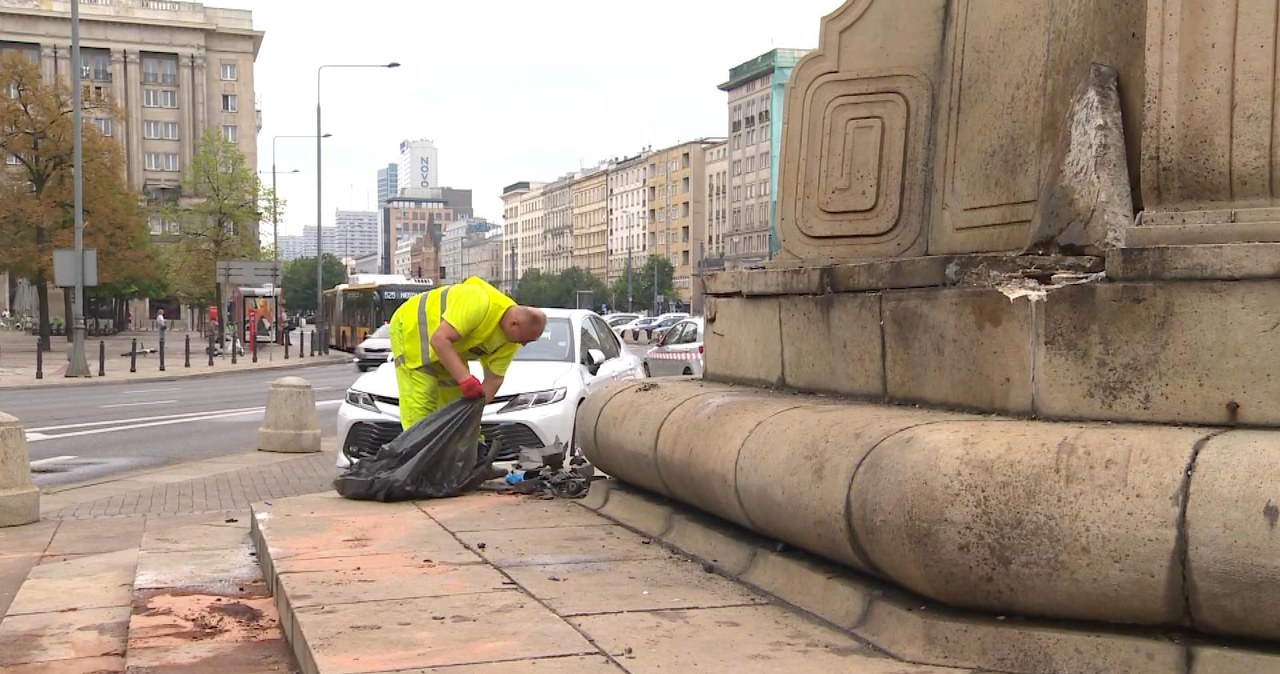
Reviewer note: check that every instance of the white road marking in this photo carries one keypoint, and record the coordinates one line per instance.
(150, 422)
(52, 459)
(139, 404)
(153, 390)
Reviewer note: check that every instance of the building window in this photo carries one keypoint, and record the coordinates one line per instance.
(155, 161)
(751, 137)
(684, 185)
(150, 98)
(231, 133)
(737, 167)
(229, 72)
(160, 71)
(168, 99)
(12, 159)
(230, 103)
(764, 132)
(751, 164)
(104, 125)
(150, 129)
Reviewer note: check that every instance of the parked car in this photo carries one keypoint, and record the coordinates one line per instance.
(374, 350)
(626, 328)
(538, 401)
(649, 325)
(680, 353)
(659, 330)
(614, 320)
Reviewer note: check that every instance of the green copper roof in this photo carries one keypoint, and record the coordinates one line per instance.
(762, 65)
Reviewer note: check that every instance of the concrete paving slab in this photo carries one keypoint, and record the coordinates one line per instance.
(255, 657)
(70, 635)
(196, 532)
(172, 621)
(222, 572)
(328, 503)
(85, 582)
(85, 537)
(344, 580)
(489, 511)
(26, 539)
(109, 664)
(560, 545)
(640, 585)
(744, 640)
(434, 632)
(587, 664)
(316, 537)
(13, 571)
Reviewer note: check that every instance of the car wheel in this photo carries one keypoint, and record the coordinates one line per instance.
(646, 370)
(687, 372)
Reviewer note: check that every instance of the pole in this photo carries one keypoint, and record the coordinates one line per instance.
(186, 352)
(102, 358)
(78, 367)
(133, 355)
(628, 272)
(275, 237)
(319, 196)
(39, 360)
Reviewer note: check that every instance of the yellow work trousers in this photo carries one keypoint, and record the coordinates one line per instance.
(422, 393)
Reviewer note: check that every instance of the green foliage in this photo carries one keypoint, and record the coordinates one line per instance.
(560, 290)
(642, 280)
(299, 277)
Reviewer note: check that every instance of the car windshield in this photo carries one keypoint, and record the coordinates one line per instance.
(383, 332)
(555, 344)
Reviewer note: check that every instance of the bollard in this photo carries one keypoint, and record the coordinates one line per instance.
(254, 346)
(284, 341)
(162, 355)
(133, 355)
(210, 351)
(290, 424)
(102, 358)
(186, 353)
(314, 335)
(39, 360)
(19, 497)
(232, 345)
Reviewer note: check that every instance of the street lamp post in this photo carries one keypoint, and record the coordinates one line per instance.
(319, 196)
(79, 366)
(275, 227)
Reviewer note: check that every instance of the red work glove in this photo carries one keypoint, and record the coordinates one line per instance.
(471, 388)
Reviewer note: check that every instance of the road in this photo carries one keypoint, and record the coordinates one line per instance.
(78, 434)
(75, 434)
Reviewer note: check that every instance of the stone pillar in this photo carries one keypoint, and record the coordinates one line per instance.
(48, 65)
(200, 108)
(187, 103)
(127, 106)
(133, 146)
(19, 497)
(290, 423)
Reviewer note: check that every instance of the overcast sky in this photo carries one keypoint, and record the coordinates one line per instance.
(509, 90)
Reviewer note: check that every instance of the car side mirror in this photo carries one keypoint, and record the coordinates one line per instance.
(595, 358)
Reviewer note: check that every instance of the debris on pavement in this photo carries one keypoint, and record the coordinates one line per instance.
(542, 473)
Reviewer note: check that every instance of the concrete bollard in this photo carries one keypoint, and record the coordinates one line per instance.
(290, 423)
(19, 497)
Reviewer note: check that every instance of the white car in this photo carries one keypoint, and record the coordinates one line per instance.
(615, 320)
(374, 350)
(538, 401)
(680, 352)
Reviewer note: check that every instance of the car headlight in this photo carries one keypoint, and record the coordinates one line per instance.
(526, 400)
(362, 400)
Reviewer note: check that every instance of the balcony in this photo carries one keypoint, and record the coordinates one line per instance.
(165, 79)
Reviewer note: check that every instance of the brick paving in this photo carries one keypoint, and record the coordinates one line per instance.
(234, 490)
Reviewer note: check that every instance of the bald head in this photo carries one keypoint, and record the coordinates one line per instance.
(521, 324)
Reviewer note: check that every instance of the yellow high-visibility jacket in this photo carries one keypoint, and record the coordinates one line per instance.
(474, 308)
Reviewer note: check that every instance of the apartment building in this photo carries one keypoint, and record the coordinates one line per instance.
(173, 69)
(410, 219)
(591, 221)
(451, 251)
(677, 199)
(388, 183)
(482, 254)
(756, 93)
(716, 213)
(628, 215)
(557, 230)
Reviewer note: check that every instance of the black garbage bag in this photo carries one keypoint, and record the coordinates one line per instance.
(438, 457)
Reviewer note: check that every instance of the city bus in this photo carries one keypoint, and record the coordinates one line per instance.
(353, 310)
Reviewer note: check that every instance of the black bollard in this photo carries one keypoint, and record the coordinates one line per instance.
(102, 358)
(314, 335)
(133, 356)
(39, 359)
(210, 351)
(162, 354)
(232, 345)
(254, 346)
(302, 343)
(284, 341)
(186, 353)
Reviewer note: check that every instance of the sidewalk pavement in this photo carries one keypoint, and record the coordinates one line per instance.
(18, 359)
(499, 583)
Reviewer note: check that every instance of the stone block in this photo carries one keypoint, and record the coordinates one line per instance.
(726, 550)
(588, 415)
(964, 348)
(698, 447)
(19, 497)
(1053, 520)
(1168, 353)
(627, 428)
(912, 272)
(1233, 541)
(638, 511)
(1210, 262)
(1222, 660)
(290, 424)
(744, 340)
(799, 281)
(810, 585)
(832, 344)
(559, 545)
(718, 283)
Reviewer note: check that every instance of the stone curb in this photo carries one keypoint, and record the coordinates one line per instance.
(904, 626)
(316, 361)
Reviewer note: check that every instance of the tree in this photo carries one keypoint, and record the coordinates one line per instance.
(559, 290)
(642, 295)
(216, 217)
(300, 280)
(37, 209)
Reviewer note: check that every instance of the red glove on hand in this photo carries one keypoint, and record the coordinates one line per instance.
(471, 388)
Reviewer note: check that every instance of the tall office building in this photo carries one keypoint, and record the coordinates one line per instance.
(388, 179)
(355, 234)
(419, 167)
